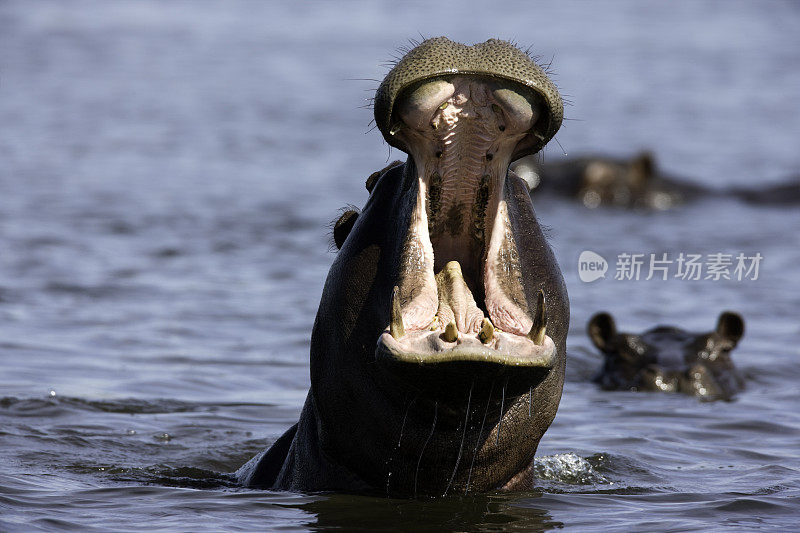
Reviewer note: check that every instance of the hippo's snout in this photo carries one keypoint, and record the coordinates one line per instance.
(494, 59)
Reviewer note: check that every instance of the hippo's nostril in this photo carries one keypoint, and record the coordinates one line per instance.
(489, 156)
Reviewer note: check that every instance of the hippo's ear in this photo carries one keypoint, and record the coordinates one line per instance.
(342, 227)
(730, 326)
(373, 178)
(602, 330)
(645, 164)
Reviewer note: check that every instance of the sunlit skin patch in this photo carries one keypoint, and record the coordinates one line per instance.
(460, 293)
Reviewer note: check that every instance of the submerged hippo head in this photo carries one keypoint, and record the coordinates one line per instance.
(670, 359)
(598, 181)
(608, 182)
(437, 356)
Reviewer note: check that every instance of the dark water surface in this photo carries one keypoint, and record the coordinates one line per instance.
(167, 172)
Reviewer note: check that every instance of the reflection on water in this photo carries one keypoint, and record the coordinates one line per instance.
(168, 176)
(472, 513)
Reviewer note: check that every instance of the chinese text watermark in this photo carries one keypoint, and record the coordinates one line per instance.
(663, 266)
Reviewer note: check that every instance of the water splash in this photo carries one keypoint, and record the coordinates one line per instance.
(567, 468)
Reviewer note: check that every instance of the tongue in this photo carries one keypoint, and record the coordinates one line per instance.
(456, 302)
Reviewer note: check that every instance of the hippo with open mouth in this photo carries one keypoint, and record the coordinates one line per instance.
(438, 351)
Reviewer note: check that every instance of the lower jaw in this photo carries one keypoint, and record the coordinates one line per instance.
(448, 374)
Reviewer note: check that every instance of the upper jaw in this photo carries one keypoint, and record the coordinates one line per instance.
(494, 59)
(461, 296)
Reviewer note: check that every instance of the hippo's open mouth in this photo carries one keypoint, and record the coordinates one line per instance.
(460, 294)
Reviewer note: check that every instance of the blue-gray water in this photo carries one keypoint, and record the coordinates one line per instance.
(167, 174)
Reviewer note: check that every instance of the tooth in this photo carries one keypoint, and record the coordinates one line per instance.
(450, 332)
(487, 331)
(455, 268)
(396, 325)
(435, 323)
(539, 326)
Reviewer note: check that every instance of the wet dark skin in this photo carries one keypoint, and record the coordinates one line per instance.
(670, 359)
(438, 351)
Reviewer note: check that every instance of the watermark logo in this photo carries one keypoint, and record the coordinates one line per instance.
(663, 266)
(591, 266)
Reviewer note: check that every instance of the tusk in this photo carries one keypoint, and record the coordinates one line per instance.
(539, 327)
(487, 331)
